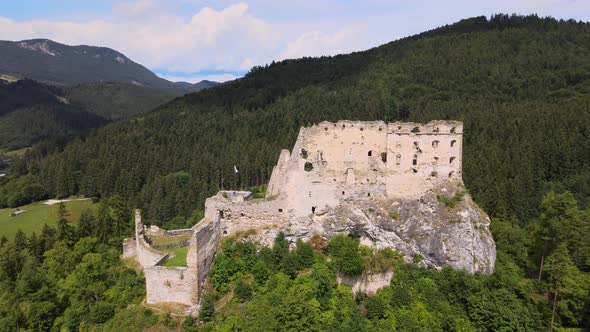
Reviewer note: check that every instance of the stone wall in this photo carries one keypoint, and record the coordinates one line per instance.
(169, 284)
(333, 162)
(146, 255)
(204, 244)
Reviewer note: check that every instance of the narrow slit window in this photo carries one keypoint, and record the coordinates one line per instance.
(453, 142)
(415, 160)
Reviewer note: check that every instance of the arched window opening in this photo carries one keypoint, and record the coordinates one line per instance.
(281, 210)
(416, 130)
(453, 142)
(398, 159)
(362, 128)
(368, 194)
(221, 214)
(451, 173)
(451, 160)
(384, 157)
(343, 126)
(343, 193)
(313, 209)
(303, 154)
(370, 153)
(453, 130)
(380, 129)
(435, 144)
(435, 160)
(308, 167)
(326, 128)
(434, 174)
(415, 160)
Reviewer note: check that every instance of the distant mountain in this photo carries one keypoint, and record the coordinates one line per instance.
(50, 62)
(31, 112)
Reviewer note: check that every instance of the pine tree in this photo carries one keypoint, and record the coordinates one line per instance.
(87, 224)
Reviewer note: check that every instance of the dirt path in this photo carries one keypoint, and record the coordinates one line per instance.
(57, 201)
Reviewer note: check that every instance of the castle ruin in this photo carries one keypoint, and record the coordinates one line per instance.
(321, 186)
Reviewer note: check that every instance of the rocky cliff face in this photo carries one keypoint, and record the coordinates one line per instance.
(444, 227)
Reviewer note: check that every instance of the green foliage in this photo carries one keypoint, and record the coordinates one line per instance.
(207, 312)
(347, 257)
(451, 202)
(242, 290)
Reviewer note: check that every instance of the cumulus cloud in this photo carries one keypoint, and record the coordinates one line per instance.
(229, 38)
(188, 36)
(318, 43)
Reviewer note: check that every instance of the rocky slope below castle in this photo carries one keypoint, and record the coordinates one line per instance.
(444, 227)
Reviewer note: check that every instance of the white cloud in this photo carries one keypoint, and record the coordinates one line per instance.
(318, 43)
(195, 79)
(220, 39)
(188, 36)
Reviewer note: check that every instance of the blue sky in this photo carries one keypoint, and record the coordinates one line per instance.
(192, 40)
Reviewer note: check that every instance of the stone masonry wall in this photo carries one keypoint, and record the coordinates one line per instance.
(169, 284)
(146, 256)
(333, 162)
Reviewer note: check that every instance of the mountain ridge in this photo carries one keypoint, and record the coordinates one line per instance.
(51, 62)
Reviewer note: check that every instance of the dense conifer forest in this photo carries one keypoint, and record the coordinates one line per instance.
(520, 84)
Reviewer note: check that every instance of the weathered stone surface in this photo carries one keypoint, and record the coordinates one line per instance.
(368, 284)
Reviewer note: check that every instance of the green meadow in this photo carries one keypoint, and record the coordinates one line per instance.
(37, 214)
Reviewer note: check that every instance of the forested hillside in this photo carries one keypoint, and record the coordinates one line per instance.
(31, 112)
(520, 84)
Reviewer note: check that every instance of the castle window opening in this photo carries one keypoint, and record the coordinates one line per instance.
(370, 154)
(221, 214)
(398, 159)
(368, 194)
(451, 173)
(313, 209)
(380, 129)
(453, 130)
(343, 193)
(343, 126)
(414, 170)
(415, 130)
(303, 154)
(281, 210)
(362, 128)
(434, 174)
(435, 144)
(451, 160)
(308, 167)
(399, 127)
(415, 160)
(326, 128)
(435, 160)
(384, 157)
(453, 143)
(416, 144)
(225, 232)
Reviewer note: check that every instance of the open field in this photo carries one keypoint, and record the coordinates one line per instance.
(37, 214)
(14, 153)
(179, 260)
